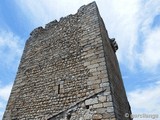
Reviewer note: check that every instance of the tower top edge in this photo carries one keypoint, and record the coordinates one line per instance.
(56, 22)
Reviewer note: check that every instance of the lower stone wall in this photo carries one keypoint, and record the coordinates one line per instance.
(96, 107)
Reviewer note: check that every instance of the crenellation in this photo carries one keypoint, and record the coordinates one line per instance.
(51, 24)
(37, 31)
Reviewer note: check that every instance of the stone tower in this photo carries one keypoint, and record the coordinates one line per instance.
(69, 71)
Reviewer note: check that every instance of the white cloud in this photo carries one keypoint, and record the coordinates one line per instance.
(1, 105)
(130, 23)
(150, 56)
(10, 49)
(149, 9)
(4, 95)
(1, 115)
(40, 12)
(122, 23)
(145, 100)
(5, 91)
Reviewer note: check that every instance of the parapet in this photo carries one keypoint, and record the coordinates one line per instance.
(36, 31)
(51, 24)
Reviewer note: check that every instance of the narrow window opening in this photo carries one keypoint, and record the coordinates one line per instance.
(59, 89)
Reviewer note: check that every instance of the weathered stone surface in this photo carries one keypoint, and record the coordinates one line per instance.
(97, 117)
(109, 98)
(110, 109)
(88, 115)
(69, 71)
(99, 105)
(107, 104)
(102, 98)
(91, 101)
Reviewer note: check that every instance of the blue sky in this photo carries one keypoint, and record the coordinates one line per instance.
(134, 23)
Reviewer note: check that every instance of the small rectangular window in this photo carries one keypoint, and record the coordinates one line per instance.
(59, 89)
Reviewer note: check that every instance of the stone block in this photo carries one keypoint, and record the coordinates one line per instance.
(97, 81)
(93, 70)
(109, 98)
(110, 109)
(87, 63)
(88, 115)
(102, 98)
(105, 79)
(93, 66)
(107, 104)
(90, 82)
(91, 101)
(97, 117)
(104, 84)
(101, 110)
(99, 105)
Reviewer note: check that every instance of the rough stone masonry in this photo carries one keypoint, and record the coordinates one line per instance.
(69, 71)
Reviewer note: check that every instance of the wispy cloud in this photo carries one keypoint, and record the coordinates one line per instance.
(150, 56)
(4, 95)
(11, 47)
(40, 12)
(149, 43)
(5, 91)
(130, 23)
(121, 20)
(145, 100)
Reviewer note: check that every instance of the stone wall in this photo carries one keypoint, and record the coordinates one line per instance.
(121, 104)
(68, 71)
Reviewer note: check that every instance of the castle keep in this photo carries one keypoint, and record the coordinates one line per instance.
(69, 71)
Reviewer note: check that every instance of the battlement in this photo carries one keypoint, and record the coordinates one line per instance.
(51, 24)
(54, 23)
